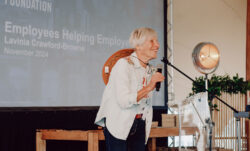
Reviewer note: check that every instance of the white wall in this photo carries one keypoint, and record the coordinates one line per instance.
(222, 22)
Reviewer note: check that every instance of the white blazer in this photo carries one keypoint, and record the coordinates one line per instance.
(119, 102)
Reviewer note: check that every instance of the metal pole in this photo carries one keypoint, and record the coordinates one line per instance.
(238, 133)
(179, 127)
(209, 122)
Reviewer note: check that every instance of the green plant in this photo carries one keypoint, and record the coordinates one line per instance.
(218, 84)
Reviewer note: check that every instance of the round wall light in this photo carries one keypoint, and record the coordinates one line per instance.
(206, 57)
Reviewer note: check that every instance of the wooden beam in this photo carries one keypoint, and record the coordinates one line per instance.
(40, 143)
(248, 68)
(171, 131)
(74, 135)
(93, 142)
(248, 42)
(153, 144)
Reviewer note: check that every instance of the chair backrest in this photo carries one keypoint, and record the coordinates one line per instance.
(107, 67)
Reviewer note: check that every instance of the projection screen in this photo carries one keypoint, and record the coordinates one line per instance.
(52, 51)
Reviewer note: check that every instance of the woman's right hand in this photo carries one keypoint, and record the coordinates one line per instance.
(156, 77)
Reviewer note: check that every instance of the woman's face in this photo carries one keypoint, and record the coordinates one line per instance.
(149, 48)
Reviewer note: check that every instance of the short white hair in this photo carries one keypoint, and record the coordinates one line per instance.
(139, 35)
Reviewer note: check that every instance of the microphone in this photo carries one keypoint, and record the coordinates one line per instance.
(158, 84)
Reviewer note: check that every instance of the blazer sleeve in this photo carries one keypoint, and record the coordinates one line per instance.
(124, 84)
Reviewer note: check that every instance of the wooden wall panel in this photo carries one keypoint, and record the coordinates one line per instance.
(225, 124)
(248, 66)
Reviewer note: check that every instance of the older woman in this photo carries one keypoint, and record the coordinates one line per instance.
(126, 107)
